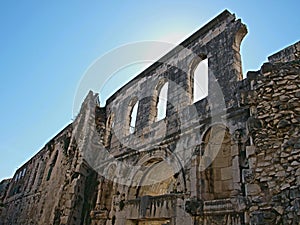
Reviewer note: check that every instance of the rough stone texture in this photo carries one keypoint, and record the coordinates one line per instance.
(235, 161)
(49, 188)
(288, 54)
(274, 188)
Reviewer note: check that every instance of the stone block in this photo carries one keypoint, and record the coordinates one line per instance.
(64, 220)
(248, 175)
(226, 173)
(252, 162)
(227, 185)
(236, 175)
(234, 150)
(250, 150)
(218, 186)
(221, 162)
(252, 189)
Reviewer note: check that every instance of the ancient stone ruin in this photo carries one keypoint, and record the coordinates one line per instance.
(231, 157)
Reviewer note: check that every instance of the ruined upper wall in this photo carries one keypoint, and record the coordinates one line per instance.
(38, 177)
(224, 28)
(288, 54)
(218, 42)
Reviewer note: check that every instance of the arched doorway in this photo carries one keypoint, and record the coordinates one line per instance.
(158, 188)
(216, 177)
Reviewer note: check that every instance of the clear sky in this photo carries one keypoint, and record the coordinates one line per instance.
(46, 46)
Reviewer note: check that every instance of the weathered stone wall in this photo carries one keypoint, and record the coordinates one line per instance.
(3, 189)
(230, 158)
(49, 188)
(179, 136)
(272, 180)
(288, 54)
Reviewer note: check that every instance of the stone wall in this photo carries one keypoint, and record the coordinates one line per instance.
(229, 158)
(179, 137)
(272, 180)
(49, 188)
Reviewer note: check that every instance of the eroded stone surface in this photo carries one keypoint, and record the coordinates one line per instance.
(237, 166)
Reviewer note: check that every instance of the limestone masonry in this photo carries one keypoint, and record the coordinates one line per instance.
(232, 157)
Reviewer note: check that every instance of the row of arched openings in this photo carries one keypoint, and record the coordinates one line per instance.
(199, 89)
(161, 100)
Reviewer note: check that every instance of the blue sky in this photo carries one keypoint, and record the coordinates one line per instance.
(45, 48)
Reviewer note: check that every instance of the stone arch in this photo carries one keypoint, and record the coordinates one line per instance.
(170, 179)
(132, 115)
(198, 78)
(153, 116)
(216, 176)
(161, 99)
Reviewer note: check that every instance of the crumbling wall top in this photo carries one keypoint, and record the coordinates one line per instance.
(288, 54)
(221, 34)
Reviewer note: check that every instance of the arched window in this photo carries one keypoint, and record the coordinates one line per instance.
(162, 102)
(24, 171)
(133, 116)
(200, 81)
